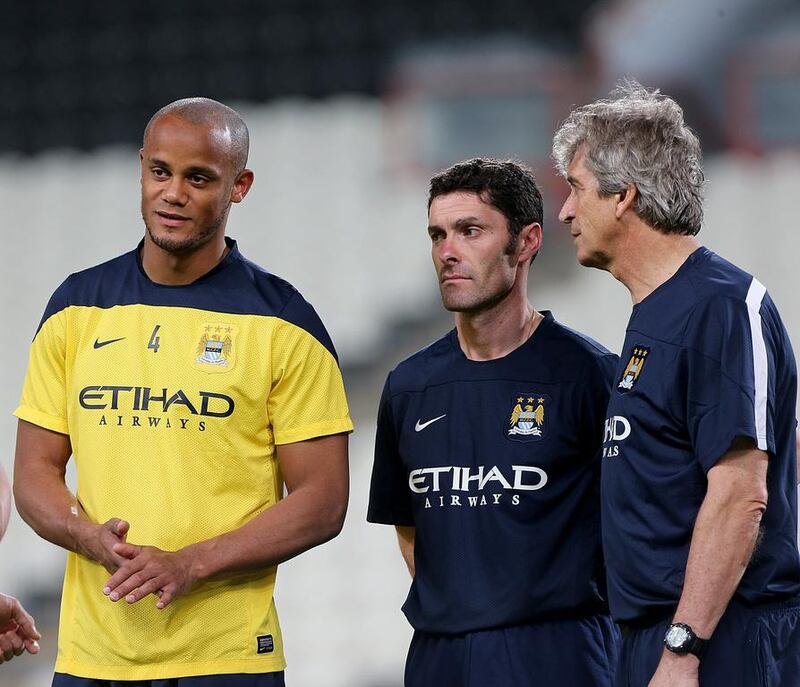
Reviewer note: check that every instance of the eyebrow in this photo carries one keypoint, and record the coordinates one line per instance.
(460, 223)
(197, 169)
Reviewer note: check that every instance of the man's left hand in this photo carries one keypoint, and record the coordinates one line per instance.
(18, 632)
(676, 671)
(167, 574)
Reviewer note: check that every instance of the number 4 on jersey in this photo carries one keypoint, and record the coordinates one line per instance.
(154, 339)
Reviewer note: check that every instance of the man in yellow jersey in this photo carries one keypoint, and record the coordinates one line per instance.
(17, 629)
(190, 385)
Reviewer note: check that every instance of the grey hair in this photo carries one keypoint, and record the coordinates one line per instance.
(212, 113)
(638, 137)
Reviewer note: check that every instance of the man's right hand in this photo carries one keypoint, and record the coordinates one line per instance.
(98, 543)
(17, 630)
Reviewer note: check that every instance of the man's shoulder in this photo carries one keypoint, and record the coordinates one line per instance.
(715, 278)
(273, 296)
(92, 285)
(580, 352)
(578, 342)
(415, 371)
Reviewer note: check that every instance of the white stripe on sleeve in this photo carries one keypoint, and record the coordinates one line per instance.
(755, 295)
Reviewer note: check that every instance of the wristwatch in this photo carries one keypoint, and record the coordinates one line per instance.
(681, 639)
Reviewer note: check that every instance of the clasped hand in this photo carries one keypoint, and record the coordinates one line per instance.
(139, 571)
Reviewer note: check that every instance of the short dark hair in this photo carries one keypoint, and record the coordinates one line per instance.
(212, 113)
(507, 185)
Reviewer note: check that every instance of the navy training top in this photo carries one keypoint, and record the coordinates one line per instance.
(706, 360)
(496, 463)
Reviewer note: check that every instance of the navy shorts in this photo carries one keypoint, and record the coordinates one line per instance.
(563, 653)
(237, 680)
(752, 647)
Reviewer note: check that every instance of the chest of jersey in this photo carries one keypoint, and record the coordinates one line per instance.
(495, 442)
(158, 368)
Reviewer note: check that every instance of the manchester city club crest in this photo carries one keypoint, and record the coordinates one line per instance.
(215, 350)
(634, 368)
(527, 418)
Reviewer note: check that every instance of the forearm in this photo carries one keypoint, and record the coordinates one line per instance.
(406, 536)
(725, 534)
(302, 520)
(52, 511)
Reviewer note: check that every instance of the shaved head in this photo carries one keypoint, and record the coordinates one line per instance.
(217, 117)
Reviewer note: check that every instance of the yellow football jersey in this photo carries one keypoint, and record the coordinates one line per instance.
(174, 398)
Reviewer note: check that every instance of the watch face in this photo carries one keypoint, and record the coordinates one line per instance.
(676, 636)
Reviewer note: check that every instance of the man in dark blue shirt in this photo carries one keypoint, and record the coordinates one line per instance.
(699, 475)
(487, 459)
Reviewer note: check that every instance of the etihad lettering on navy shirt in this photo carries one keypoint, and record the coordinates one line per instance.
(496, 465)
(706, 359)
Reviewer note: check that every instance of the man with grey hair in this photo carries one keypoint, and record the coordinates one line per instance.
(191, 385)
(699, 501)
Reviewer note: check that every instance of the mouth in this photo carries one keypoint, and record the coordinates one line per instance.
(171, 219)
(449, 278)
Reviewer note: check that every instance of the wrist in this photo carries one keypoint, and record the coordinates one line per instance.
(685, 664)
(81, 533)
(681, 639)
(195, 563)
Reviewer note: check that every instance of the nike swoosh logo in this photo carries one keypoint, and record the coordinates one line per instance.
(100, 344)
(422, 425)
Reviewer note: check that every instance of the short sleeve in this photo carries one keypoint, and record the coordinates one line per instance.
(389, 496)
(596, 392)
(307, 397)
(727, 392)
(44, 395)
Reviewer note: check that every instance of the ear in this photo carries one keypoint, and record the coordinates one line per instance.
(627, 199)
(529, 241)
(242, 185)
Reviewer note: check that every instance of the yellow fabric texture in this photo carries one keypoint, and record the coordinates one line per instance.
(173, 428)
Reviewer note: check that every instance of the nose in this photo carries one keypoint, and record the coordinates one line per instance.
(567, 213)
(173, 193)
(444, 250)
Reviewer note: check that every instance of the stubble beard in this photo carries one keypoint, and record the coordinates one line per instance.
(175, 246)
(480, 301)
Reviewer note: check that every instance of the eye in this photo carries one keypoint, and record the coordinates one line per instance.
(436, 236)
(471, 231)
(197, 179)
(159, 172)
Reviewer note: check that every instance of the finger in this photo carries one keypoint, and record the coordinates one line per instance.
(127, 551)
(125, 571)
(121, 528)
(31, 645)
(168, 593)
(131, 584)
(152, 586)
(26, 622)
(7, 645)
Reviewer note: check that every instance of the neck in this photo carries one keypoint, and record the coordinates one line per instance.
(649, 258)
(163, 267)
(494, 333)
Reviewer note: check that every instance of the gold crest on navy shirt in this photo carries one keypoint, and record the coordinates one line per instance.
(216, 347)
(526, 420)
(633, 369)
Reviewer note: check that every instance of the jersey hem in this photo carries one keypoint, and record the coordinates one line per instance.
(168, 671)
(379, 519)
(37, 417)
(319, 429)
